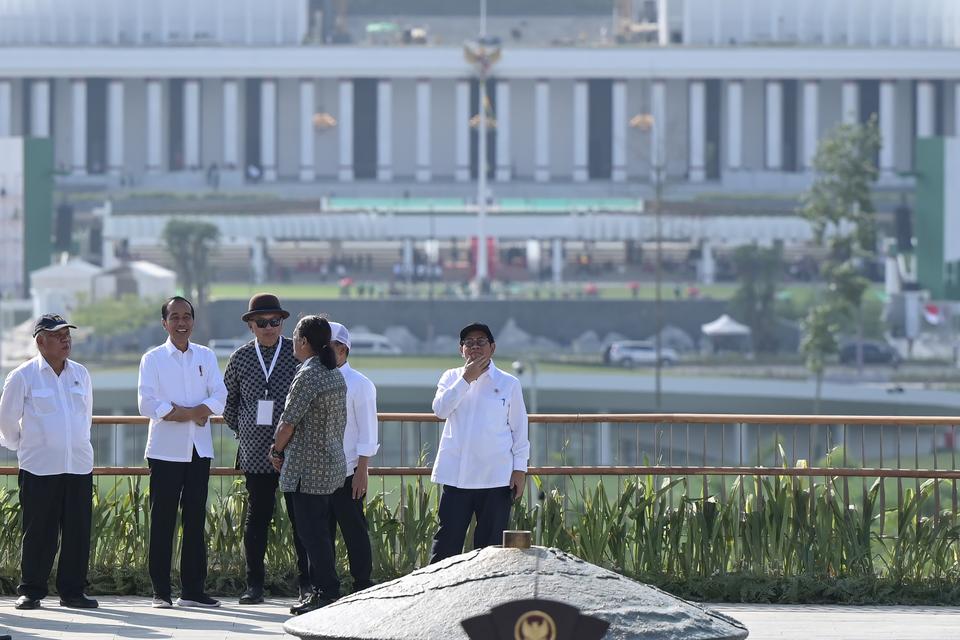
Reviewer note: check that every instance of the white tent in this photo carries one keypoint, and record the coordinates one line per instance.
(60, 287)
(140, 278)
(725, 326)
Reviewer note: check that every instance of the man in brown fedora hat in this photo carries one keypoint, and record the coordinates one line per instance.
(258, 377)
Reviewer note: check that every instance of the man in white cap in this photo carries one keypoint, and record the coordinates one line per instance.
(359, 445)
(45, 415)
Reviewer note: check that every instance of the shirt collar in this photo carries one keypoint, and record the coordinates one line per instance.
(171, 349)
(491, 371)
(345, 367)
(43, 364)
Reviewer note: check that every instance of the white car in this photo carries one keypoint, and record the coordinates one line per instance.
(632, 353)
(372, 344)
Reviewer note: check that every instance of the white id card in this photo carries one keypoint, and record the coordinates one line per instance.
(265, 412)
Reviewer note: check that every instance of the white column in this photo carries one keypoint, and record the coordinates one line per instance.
(850, 102)
(385, 130)
(826, 24)
(115, 21)
(874, 23)
(802, 15)
(926, 109)
(503, 131)
(541, 131)
(698, 130)
(619, 133)
(735, 125)
(717, 26)
(307, 156)
(663, 23)
(231, 124)
(658, 135)
(556, 260)
(138, 21)
(580, 122)
(78, 128)
(461, 121)
(888, 127)
(115, 125)
(164, 27)
(774, 127)
(191, 125)
(894, 26)
(191, 21)
(6, 109)
(687, 22)
(852, 14)
(268, 129)
(154, 126)
(424, 127)
(746, 23)
(345, 130)
(40, 109)
(811, 122)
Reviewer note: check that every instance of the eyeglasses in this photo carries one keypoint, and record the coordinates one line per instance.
(273, 322)
(475, 342)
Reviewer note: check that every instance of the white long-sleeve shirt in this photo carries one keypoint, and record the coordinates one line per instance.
(190, 378)
(46, 418)
(360, 434)
(485, 434)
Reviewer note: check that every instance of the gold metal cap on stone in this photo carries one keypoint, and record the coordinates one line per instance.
(516, 539)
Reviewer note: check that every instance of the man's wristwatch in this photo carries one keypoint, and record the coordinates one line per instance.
(278, 455)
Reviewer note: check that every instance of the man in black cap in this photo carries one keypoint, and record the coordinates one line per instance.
(45, 415)
(258, 377)
(482, 459)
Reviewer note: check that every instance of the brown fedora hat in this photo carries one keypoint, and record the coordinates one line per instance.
(264, 303)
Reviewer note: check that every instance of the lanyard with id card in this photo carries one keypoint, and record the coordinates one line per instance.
(265, 406)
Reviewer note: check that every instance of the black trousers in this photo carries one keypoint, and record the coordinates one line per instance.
(348, 514)
(313, 527)
(180, 485)
(261, 501)
(55, 509)
(457, 509)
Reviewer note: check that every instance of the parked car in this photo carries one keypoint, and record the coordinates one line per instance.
(224, 347)
(874, 352)
(632, 353)
(372, 344)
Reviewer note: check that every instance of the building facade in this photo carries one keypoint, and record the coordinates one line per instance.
(733, 94)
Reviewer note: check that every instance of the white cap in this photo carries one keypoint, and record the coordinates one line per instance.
(339, 333)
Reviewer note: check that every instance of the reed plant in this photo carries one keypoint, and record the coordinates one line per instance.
(769, 539)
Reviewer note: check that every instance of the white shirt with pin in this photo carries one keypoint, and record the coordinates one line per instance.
(485, 436)
(46, 418)
(169, 376)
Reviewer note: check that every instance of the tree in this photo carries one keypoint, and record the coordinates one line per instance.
(839, 204)
(759, 270)
(819, 341)
(191, 243)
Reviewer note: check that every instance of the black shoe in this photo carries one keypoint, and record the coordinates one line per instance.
(200, 600)
(316, 601)
(79, 602)
(253, 595)
(360, 585)
(26, 602)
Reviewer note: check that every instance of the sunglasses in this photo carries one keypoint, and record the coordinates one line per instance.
(273, 322)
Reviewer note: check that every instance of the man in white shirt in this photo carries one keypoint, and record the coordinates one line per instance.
(45, 415)
(359, 445)
(180, 387)
(482, 457)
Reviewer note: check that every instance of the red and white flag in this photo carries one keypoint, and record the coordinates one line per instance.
(932, 314)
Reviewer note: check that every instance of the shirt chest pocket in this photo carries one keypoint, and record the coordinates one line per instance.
(43, 401)
(78, 399)
(493, 409)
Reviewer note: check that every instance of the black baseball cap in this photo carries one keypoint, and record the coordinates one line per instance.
(51, 322)
(476, 326)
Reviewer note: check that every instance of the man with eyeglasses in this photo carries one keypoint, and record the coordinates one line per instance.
(258, 377)
(482, 458)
